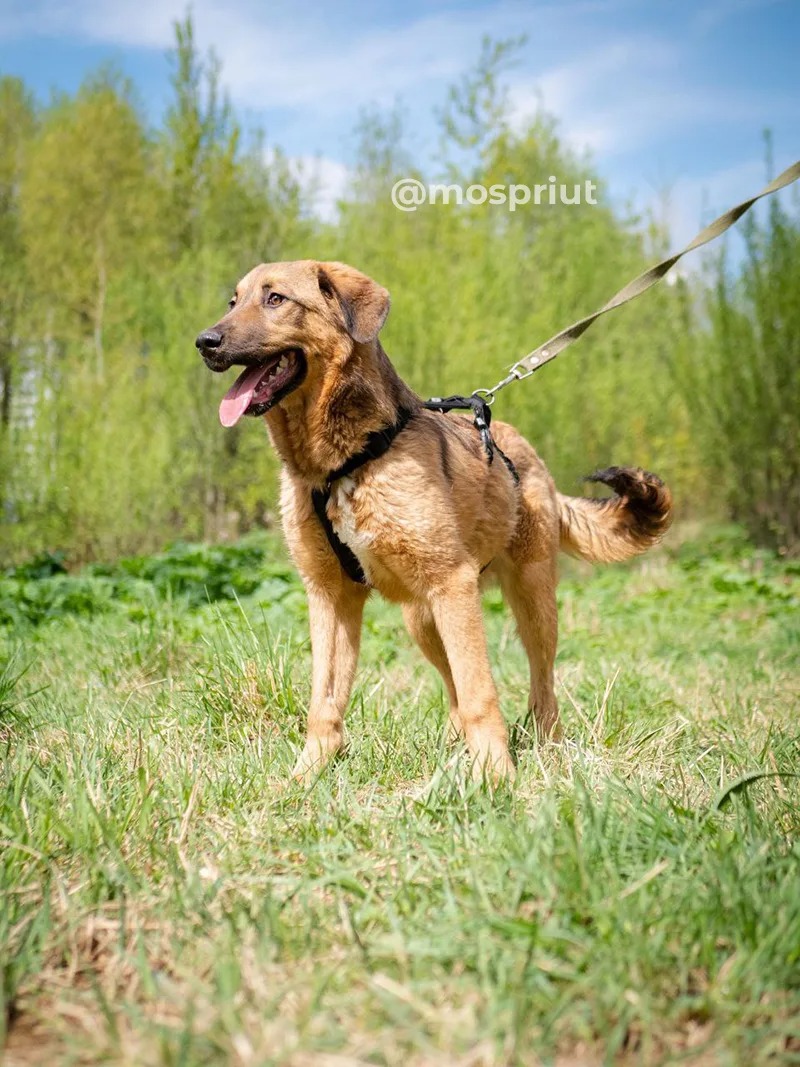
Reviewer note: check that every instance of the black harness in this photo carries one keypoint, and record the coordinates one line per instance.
(482, 417)
(378, 443)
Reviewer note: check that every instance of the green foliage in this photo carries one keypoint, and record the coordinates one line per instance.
(129, 243)
(728, 563)
(199, 573)
(41, 591)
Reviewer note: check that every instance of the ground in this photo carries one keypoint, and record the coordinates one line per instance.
(170, 897)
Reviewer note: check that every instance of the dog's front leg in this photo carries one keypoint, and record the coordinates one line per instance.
(457, 611)
(335, 618)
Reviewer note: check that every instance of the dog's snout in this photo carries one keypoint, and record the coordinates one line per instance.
(209, 339)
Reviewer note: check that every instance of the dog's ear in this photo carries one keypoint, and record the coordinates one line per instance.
(364, 304)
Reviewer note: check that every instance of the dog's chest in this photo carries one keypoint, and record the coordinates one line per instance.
(348, 519)
(361, 522)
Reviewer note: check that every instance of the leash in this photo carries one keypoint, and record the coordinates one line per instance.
(548, 351)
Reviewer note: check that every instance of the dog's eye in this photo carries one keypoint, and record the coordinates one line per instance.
(275, 300)
(232, 302)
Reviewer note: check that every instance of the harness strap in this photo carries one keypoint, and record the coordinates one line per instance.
(347, 558)
(378, 443)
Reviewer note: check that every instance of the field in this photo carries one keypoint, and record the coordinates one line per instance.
(170, 897)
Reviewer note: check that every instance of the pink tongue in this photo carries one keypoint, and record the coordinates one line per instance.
(237, 399)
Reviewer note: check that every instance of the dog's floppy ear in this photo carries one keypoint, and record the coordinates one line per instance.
(364, 303)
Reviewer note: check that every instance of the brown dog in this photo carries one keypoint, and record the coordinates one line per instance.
(428, 520)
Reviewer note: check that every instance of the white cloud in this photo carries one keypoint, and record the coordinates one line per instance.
(270, 56)
(616, 98)
(325, 180)
(143, 23)
(602, 70)
(277, 57)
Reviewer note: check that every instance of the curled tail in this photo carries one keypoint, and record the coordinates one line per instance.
(631, 521)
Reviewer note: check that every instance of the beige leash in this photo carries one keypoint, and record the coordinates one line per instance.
(536, 359)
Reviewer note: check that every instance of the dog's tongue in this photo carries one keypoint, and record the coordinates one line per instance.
(237, 399)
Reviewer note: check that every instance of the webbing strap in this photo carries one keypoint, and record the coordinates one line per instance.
(561, 340)
(376, 445)
(347, 558)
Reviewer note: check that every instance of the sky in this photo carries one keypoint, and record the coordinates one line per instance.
(669, 97)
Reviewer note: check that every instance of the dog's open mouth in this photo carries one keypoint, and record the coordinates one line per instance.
(259, 388)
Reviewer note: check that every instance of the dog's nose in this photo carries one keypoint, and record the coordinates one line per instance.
(209, 339)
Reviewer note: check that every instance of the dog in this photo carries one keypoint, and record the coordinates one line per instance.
(380, 493)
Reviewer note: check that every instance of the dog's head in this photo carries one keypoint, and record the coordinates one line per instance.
(288, 324)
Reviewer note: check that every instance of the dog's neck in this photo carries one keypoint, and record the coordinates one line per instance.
(314, 433)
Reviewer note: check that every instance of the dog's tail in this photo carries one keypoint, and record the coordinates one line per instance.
(621, 526)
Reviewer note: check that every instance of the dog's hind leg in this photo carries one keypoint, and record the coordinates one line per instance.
(422, 627)
(456, 610)
(529, 588)
(335, 617)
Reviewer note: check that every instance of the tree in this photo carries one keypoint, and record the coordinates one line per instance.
(17, 123)
(85, 205)
(741, 377)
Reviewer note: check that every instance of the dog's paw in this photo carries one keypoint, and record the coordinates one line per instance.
(493, 765)
(313, 759)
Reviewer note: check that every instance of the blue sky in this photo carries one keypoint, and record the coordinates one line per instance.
(670, 98)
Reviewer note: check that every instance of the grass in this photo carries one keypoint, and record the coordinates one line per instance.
(169, 897)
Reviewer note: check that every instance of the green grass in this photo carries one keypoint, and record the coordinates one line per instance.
(169, 897)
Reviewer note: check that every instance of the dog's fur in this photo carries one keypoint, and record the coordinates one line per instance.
(429, 521)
